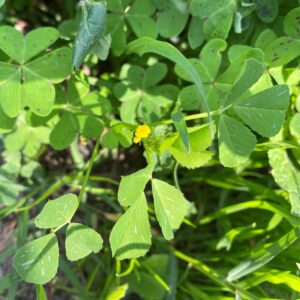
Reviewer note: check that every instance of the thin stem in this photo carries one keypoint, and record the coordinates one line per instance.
(175, 175)
(88, 171)
(189, 118)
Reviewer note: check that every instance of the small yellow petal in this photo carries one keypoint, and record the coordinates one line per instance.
(142, 131)
(136, 139)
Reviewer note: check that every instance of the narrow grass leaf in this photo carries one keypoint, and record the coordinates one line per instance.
(261, 257)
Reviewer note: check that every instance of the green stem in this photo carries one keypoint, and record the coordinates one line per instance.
(189, 118)
(88, 171)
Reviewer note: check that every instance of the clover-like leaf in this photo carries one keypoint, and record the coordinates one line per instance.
(37, 261)
(217, 15)
(118, 133)
(138, 17)
(142, 97)
(57, 212)
(265, 112)
(132, 186)
(200, 138)
(26, 138)
(170, 207)
(195, 33)
(64, 132)
(250, 74)
(171, 13)
(81, 241)
(22, 49)
(267, 10)
(236, 142)
(30, 83)
(292, 23)
(131, 235)
(281, 51)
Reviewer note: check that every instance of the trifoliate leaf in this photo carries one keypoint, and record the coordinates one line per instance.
(265, 112)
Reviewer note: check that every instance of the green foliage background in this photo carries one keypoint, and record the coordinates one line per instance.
(205, 207)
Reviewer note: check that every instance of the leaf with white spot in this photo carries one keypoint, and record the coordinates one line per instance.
(81, 241)
(131, 235)
(132, 186)
(57, 212)
(37, 261)
(170, 207)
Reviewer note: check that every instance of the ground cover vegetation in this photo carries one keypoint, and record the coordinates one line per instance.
(149, 149)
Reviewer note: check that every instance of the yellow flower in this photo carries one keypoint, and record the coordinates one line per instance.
(136, 139)
(141, 132)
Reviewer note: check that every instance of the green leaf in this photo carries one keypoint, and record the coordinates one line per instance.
(265, 111)
(171, 15)
(154, 74)
(132, 186)
(267, 10)
(11, 42)
(200, 139)
(64, 132)
(179, 122)
(115, 26)
(236, 142)
(57, 212)
(217, 15)
(2, 3)
(211, 56)
(27, 138)
(266, 37)
(81, 241)
(91, 30)
(53, 67)
(287, 176)
(37, 261)
(146, 45)
(291, 23)
(131, 235)
(10, 88)
(139, 18)
(38, 40)
(250, 74)
(90, 126)
(263, 256)
(35, 89)
(195, 33)
(281, 51)
(170, 207)
(23, 49)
